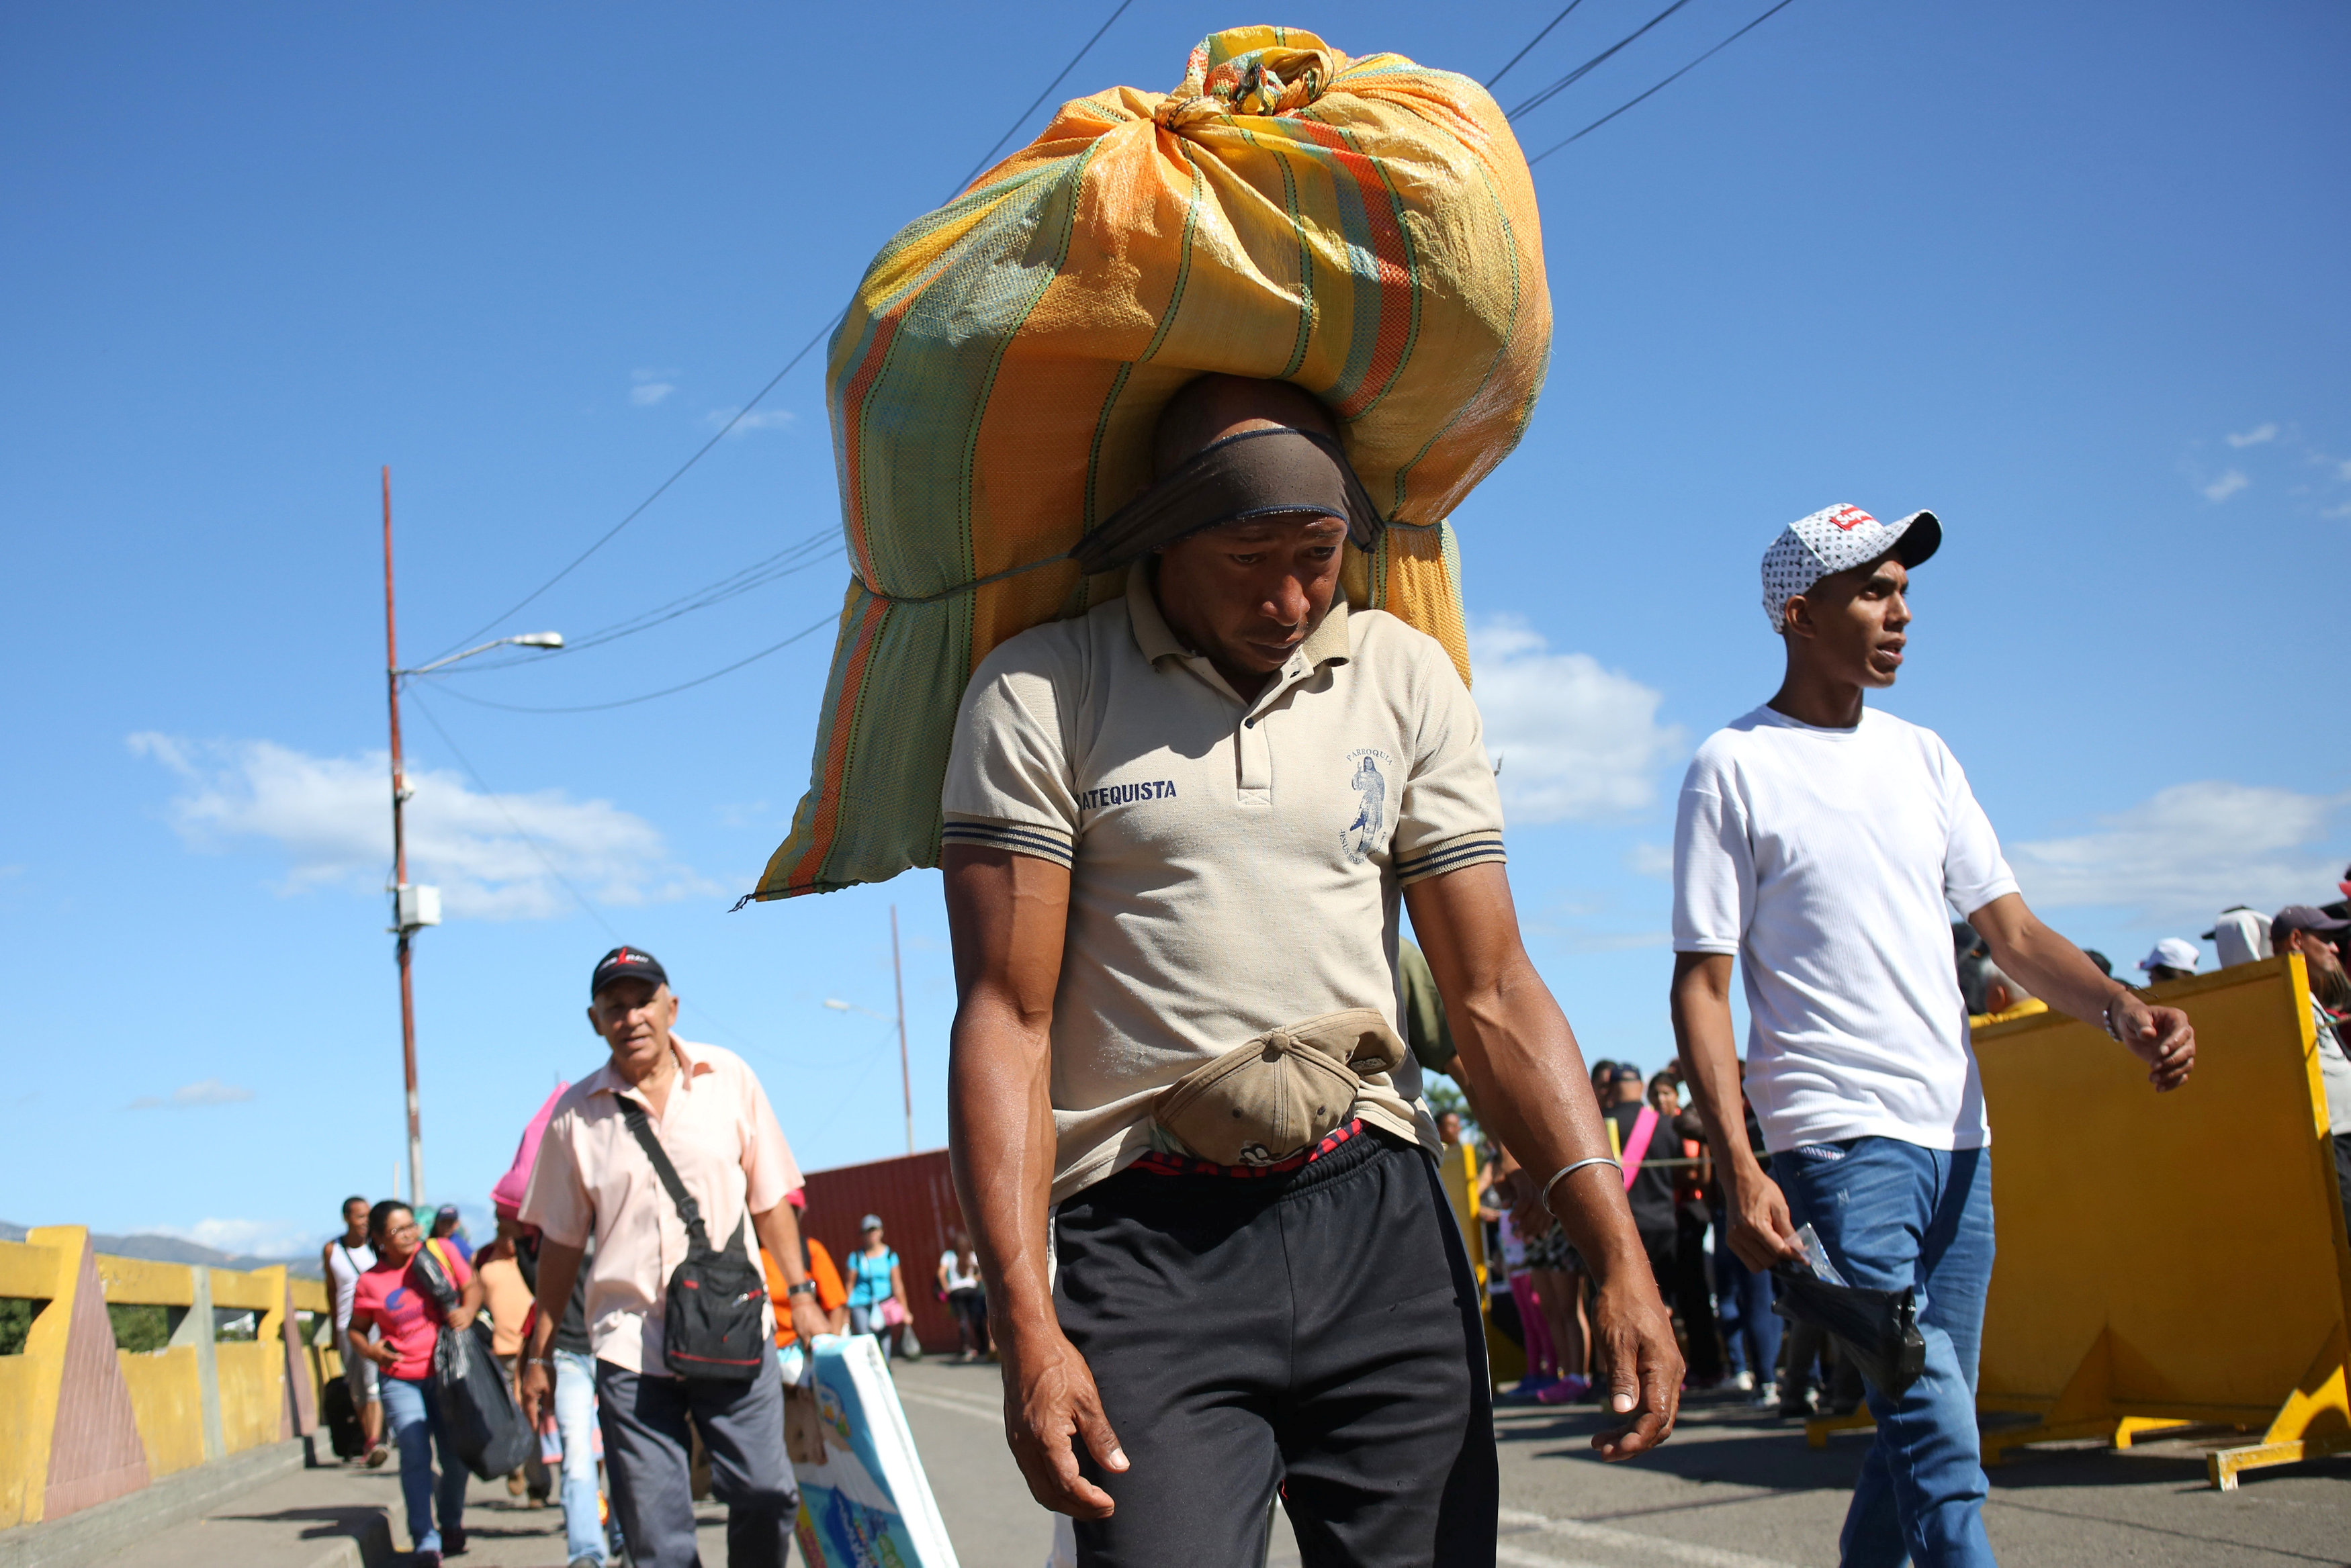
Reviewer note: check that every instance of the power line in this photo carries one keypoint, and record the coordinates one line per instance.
(659, 490)
(1588, 67)
(647, 697)
(1530, 43)
(1670, 81)
(587, 906)
(989, 156)
(789, 562)
(724, 430)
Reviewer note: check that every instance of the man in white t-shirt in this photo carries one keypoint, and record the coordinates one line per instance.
(345, 1259)
(1824, 846)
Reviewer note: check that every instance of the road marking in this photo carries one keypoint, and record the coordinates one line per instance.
(961, 1407)
(1519, 1557)
(1628, 1541)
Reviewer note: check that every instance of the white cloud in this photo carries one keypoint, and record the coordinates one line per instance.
(757, 420)
(2254, 437)
(203, 1092)
(253, 1237)
(1575, 741)
(645, 394)
(2225, 486)
(328, 816)
(2188, 852)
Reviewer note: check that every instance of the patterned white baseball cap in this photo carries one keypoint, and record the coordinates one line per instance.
(1837, 539)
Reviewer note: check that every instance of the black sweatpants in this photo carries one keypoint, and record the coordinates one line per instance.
(1316, 1330)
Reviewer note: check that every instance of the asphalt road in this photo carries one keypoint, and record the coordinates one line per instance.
(1732, 1490)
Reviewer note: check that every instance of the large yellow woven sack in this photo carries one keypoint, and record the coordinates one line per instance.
(1364, 228)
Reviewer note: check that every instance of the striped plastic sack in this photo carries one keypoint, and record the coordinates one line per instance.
(1364, 228)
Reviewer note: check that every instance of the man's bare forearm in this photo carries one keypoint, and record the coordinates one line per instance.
(1708, 1044)
(779, 1230)
(2044, 962)
(1000, 1142)
(1007, 915)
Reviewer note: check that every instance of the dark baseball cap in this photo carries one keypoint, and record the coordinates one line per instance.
(2302, 918)
(626, 963)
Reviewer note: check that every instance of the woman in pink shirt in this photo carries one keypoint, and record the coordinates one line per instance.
(391, 1300)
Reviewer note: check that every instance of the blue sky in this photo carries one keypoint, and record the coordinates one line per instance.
(2070, 275)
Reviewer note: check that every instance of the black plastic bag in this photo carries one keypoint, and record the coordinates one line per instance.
(477, 1402)
(1879, 1329)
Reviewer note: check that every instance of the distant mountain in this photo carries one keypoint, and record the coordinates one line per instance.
(172, 1250)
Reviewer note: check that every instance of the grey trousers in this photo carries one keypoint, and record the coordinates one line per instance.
(648, 1454)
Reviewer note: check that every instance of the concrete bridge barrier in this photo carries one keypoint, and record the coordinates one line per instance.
(84, 1422)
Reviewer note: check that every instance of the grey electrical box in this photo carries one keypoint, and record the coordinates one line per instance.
(415, 905)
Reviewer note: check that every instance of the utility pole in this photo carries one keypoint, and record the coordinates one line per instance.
(406, 910)
(906, 1075)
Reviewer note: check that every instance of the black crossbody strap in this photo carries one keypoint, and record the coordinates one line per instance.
(642, 1125)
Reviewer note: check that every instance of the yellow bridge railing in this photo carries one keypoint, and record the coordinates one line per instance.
(83, 1421)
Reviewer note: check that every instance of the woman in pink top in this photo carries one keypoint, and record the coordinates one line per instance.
(393, 1300)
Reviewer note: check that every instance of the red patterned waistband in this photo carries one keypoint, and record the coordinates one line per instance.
(1158, 1164)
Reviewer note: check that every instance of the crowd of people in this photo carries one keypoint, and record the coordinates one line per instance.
(1730, 1337)
(571, 1288)
(619, 1182)
(1208, 1240)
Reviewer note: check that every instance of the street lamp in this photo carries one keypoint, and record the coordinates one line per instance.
(906, 1075)
(413, 906)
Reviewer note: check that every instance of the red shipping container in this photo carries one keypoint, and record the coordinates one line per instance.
(914, 1198)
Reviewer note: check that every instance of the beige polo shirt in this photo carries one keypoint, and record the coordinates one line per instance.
(1233, 866)
(592, 1175)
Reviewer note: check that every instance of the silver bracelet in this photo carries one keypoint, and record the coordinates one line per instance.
(1567, 1171)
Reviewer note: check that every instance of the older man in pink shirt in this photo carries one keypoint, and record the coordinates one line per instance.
(713, 1121)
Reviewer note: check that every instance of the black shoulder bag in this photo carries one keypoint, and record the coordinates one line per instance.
(714, 1323)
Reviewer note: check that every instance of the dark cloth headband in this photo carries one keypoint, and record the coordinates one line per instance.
(1257, 474)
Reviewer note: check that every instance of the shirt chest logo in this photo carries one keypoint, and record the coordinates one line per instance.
(1370, 782)
(1125, 794)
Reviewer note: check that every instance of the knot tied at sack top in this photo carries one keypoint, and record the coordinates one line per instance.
(1260, 82)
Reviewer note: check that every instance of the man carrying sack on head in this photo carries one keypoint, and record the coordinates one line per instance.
(1188, 1137)
(670, 1156)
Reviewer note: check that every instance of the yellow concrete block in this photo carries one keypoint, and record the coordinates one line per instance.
(138, 1281)
(252, 1380)
(169, 1406)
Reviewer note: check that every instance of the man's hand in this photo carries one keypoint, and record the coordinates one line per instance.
(809, 1320)
(2159, 1036)
(1761, 1232)
(1049, 1398)
(535, 1388)
(1635, 1357)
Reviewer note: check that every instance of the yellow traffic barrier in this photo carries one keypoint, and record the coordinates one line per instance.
(2167, 1259)
(1505, 1362)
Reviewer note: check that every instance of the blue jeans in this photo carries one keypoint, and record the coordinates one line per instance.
(868, 1320)
(1750, 1329)
(417, 1430)
(575, 1425)
(1893, 1214)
